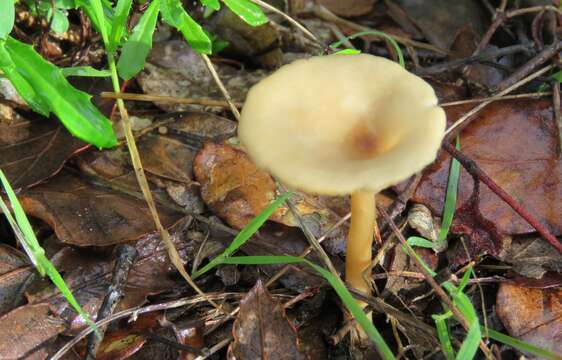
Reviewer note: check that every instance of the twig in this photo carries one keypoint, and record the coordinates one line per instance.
(542, 57)
(557, 115)
(438, 289)
(219, 83)
(473, 169)
(289, 19)
(125, 260)
(325, 14)
(168, 99)
(452, 131)
(534, 95)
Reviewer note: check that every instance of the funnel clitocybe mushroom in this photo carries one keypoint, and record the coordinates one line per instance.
(343, 124)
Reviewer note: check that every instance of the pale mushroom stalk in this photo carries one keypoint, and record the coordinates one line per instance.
(360, 240)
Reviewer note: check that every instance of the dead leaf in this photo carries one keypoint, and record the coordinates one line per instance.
(14, 272)
(532, 315)
(26, 328)
(231, 185)
(515, 143)
(261, 330)
(440, 20)
(33, 150)
(348, 8)
(84, 215)
(88, 276)
(532, 257)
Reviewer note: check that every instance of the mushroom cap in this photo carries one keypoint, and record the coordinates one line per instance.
(337, 124)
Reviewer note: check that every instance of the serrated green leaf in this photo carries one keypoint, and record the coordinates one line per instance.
(84, 71)
(247, 11)
(136, 49)
(7, 14)
(24, 88)
(71, 106)
(118, 26)
(59, 22)
(175, 15)
(213, 4)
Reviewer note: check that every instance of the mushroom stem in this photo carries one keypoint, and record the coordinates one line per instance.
(360, 240)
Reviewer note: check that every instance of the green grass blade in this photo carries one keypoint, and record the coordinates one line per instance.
(103, 24)
(119, 24)
(136, 49)
(420, 242)
(175, 15)
(104, 27)
(470, 344)
(337, 285)
(348, 52)
(443, 334)
(84, 71)
(7, 15)
(248, 11)
(23, 230)
(71, 106)
(450, 198)
(521, 345)
(384, 35)
(244, 235)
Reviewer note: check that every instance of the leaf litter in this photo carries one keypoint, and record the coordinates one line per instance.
(207, 189)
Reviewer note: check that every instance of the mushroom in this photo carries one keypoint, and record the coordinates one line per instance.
(343, 124)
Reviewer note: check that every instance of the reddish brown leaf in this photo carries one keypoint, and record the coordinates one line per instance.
(14, 272)
(231, 184)
(33, 150)
(84, 215)
(515, 143)
(261, 330)
(192, 336)
(25, 328)
(349, 7)
(532, 315)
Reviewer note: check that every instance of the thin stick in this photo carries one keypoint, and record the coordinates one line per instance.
(219, 83)
(438, 289)
(473, 169)
(557, 114)
(289, 19)
(449, 132)
(534, 95)
(168, 99)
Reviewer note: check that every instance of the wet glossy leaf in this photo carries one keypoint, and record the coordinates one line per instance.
(137, 47)
(71, 106)
(261, 330)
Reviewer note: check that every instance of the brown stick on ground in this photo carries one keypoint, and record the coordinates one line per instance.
(473, 169)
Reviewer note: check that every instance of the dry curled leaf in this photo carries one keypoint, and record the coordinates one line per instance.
(261, 330)
(532, 315)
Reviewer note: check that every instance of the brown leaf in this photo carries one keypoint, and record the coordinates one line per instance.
(532, 315)
(89, 276)
(261, 330)
(349, 7)
(84, 215)
(33, 150)
(231, 185)
(515, 143)
(25, 328)
(532, 257)
(14, 272)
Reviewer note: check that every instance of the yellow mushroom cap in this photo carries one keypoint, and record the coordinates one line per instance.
(341, 123)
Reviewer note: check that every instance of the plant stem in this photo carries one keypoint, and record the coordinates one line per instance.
(360, 240)
(143, 183)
